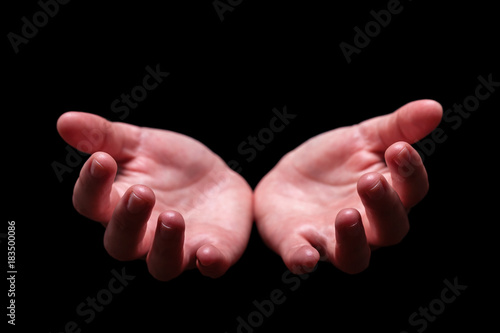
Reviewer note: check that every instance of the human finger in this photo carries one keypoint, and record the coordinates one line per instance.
(166, 257)
(124, 236)
(211, 261)
(299, 255)
(387, 217)
(351, 250)
(90, 133)
(408, 174)
(93, 194)
(410, 123)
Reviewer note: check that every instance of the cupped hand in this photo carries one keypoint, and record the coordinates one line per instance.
(347, 191)
(161, 195)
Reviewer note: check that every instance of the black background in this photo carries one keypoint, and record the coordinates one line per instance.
(225, 79)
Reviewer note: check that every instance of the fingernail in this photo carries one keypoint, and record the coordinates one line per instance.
(307, 269)
(402, 158)
(353, 230)
(96, 169)
(135, 204)
(377, 191)
(167, 232)
(406, 163)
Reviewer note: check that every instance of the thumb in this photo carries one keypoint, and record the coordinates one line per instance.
(410, 123)
(90, 133)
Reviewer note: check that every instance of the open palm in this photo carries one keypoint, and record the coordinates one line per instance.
(162, 196)
(347, 191)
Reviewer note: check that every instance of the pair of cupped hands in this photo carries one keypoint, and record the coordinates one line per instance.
(166, 198)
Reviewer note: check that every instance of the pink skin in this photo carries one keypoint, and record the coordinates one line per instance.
(166, 198)
(347, 191)
(162, 196)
